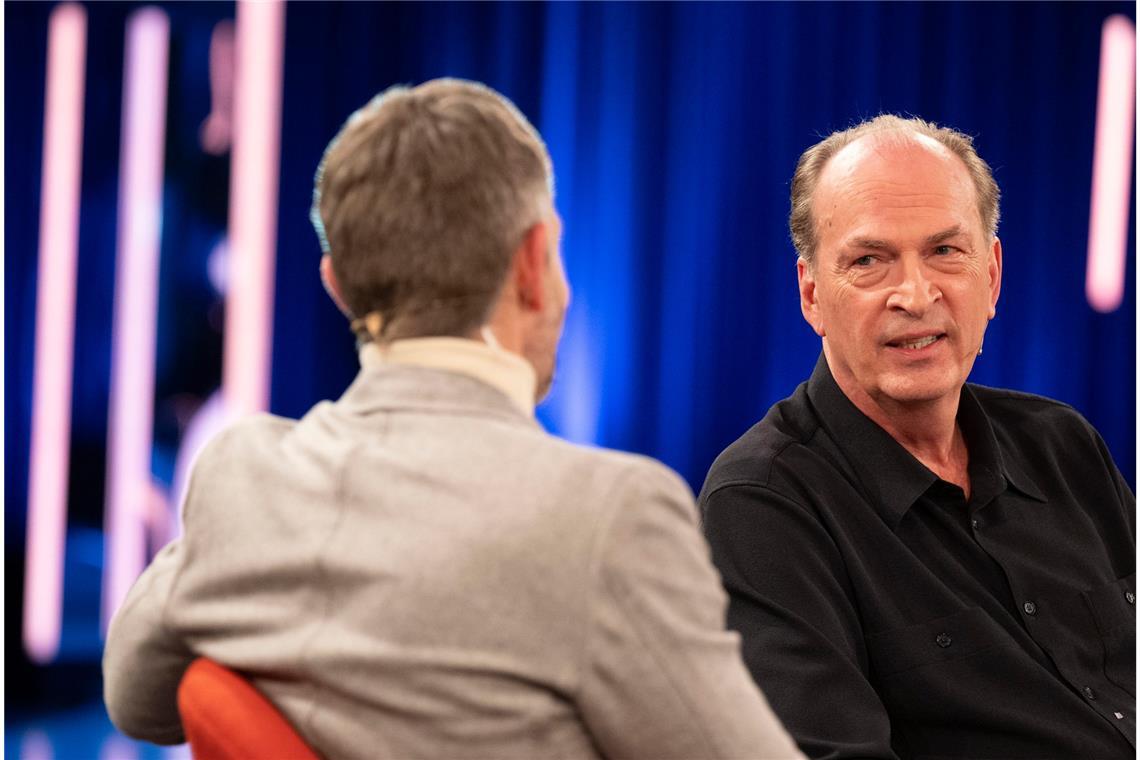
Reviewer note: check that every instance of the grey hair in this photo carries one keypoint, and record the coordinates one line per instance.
(421, 200)
(814, 159)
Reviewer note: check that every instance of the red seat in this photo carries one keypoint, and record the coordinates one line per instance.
(226, 718)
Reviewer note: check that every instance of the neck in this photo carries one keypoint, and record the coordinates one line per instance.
(927, 429)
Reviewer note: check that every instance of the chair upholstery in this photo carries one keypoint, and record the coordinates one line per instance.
(226, 718)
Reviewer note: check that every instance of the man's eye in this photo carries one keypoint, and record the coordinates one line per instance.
(944, 250)
(863, 261)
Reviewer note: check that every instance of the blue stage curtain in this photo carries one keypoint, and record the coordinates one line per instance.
(674, 130)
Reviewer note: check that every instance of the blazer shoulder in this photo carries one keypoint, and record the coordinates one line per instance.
(620, 468)
(249, 436)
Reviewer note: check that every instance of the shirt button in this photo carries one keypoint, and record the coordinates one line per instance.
(1130, 597)
(975, 524)
(1030, 609)
(1088, 692)
(1118, 716)
(943, 640)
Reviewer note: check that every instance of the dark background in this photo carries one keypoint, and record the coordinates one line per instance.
(674, 130)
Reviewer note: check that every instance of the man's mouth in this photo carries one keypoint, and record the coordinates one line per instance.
(916, 343)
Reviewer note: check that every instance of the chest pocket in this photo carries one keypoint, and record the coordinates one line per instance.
(926, 672)
(1113, 607)
(943, 640)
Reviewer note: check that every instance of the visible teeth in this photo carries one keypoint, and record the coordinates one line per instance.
(920, 343)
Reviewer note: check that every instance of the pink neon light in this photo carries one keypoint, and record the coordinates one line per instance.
(253, 206)
(55, 331)
(130, 421)
(1112, 165)
(215, 132)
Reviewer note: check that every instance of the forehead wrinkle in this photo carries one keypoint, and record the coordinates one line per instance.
(855, 200)
(876, 183)
(864, 235)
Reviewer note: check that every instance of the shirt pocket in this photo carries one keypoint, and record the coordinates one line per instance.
(962, 634)
(1113, 608)
(935, 677)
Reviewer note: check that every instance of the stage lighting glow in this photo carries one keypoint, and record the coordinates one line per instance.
(215, 132)
(1112, 165)
(35, 745)
(253, 206)
(131, 417)
(55, 331)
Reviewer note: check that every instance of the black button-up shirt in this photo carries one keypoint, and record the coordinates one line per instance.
(884, 615)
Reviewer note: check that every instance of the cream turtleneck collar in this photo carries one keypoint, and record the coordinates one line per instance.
(501, 369)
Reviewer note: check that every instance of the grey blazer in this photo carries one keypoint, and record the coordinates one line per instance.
(419, 571)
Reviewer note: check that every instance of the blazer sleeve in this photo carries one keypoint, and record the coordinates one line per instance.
(790, 599)
(143, 661)
(661, 676)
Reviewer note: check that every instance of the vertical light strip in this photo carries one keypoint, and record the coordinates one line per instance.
(131, 417)
(253, 206)
(55, 331)
(1112, 165)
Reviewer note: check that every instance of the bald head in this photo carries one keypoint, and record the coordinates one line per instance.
(852, 146)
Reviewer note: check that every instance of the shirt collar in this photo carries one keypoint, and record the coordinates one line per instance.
(502, 370)
(890, 475)
(995, 463)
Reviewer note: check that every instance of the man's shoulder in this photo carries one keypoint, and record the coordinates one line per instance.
(1029, 403)
(610, 469)
(245, 435)
(533, 449)
(1014, 412)
(757, 456)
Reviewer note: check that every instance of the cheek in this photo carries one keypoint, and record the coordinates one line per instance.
(975, 301)
(844, 296)
(848, 309)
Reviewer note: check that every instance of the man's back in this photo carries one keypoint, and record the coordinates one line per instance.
(419, 570)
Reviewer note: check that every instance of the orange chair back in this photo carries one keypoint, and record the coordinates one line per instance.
(226, 718)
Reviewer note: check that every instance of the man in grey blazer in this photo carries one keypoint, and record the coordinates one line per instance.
(418, 569)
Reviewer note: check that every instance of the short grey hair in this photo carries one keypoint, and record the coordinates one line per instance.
(421, 200)
(814, 159)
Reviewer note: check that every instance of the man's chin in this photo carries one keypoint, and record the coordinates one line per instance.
(920, 390)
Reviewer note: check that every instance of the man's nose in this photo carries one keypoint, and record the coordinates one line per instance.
(913, 292)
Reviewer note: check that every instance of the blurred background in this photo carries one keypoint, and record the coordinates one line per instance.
(158, 173)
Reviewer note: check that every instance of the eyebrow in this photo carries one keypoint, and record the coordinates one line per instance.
(946, 234)
(871, 243)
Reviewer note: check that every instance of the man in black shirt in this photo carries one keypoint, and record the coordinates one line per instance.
(919, 566)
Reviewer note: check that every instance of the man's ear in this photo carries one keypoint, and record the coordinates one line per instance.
(994, 271)
(332, 287)
(532, 259)
(808, 303)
